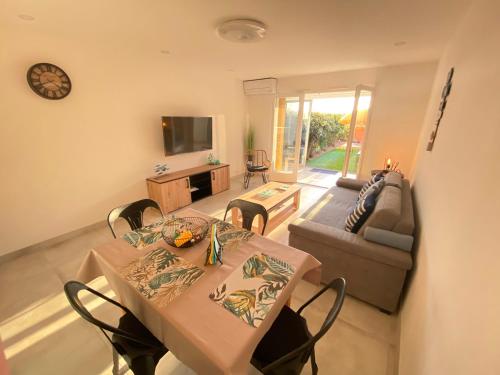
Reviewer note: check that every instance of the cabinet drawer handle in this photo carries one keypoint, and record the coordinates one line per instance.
(187, 183)
(213, 176)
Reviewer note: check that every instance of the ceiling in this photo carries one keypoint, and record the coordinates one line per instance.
(303, 36)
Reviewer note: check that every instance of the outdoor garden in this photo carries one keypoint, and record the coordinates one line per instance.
(327, 143)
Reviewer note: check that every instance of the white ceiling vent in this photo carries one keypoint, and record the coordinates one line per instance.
(264, 86)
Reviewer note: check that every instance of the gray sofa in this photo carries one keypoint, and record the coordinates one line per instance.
(375, 260)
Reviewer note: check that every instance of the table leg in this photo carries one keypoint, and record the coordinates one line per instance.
(234, 216)
(296, 200)
(261, 224)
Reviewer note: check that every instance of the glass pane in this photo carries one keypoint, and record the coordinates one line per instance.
(286, 126)
(359, 131)
(329, 129)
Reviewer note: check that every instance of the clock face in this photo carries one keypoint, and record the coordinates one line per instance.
(49, 81)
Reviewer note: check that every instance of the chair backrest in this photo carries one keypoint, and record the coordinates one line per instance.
(299, 356)
(248, 212)
(259, 159)
(133, 213)
(71, 289)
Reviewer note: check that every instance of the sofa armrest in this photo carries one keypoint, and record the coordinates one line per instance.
(350, 243)
(389, 238)
(351, 183)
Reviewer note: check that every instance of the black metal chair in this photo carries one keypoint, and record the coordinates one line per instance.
(257, 163)
(132, 213)
(288, 344)
(248, 212)
(131, 339)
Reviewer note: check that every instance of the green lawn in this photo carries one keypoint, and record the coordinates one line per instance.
(334, 160)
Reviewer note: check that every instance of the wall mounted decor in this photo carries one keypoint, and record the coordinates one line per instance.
(49, 81)
(442, 106)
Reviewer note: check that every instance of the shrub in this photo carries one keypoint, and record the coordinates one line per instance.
(325, 130)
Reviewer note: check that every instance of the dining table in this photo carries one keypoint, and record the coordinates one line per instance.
(210, 316)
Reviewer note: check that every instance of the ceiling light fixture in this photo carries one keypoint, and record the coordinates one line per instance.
(26, 17)
(241, 30)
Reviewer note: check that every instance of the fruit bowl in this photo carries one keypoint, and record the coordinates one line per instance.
(182, 232)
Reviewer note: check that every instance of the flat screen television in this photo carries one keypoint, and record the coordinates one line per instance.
(186, 134)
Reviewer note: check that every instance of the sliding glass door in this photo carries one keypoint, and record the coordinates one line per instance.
(338, 132)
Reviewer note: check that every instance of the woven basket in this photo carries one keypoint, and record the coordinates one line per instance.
(194, 228)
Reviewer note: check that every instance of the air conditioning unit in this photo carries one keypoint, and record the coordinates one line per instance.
(264, 86)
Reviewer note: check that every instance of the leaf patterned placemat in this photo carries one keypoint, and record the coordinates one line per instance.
(229, 234)
(161, 276)
(145, 236)
(250, 290)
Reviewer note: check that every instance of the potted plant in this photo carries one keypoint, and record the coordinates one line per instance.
(249, 143)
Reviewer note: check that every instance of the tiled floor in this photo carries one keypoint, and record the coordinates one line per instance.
(42, 335)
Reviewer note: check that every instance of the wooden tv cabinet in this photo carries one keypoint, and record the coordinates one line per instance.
(181, 188)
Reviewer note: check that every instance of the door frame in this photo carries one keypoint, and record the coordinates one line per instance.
(284, 176)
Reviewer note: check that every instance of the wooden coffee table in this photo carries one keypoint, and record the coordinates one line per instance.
(280, 201)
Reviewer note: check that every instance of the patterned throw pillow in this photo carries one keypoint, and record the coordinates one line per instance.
(364, 189)
(376, 188)
(360, 214)
(375, 178)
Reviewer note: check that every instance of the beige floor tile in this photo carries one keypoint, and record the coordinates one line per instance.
(347, 350)
(357, 313)
(20, 267)
(26, 285)
(369, 319)
(73, 349)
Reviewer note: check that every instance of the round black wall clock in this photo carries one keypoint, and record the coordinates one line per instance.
(49, 81)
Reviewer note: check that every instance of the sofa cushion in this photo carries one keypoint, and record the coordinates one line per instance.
(360, 214)
(406, 224)
(393, 179)
(387, 212)
(333, 207)
(351, 183)
(389, 238)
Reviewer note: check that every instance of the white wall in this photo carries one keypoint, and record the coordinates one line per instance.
(450, 318)
(66, 163)
(260, 109)
(400, 99)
